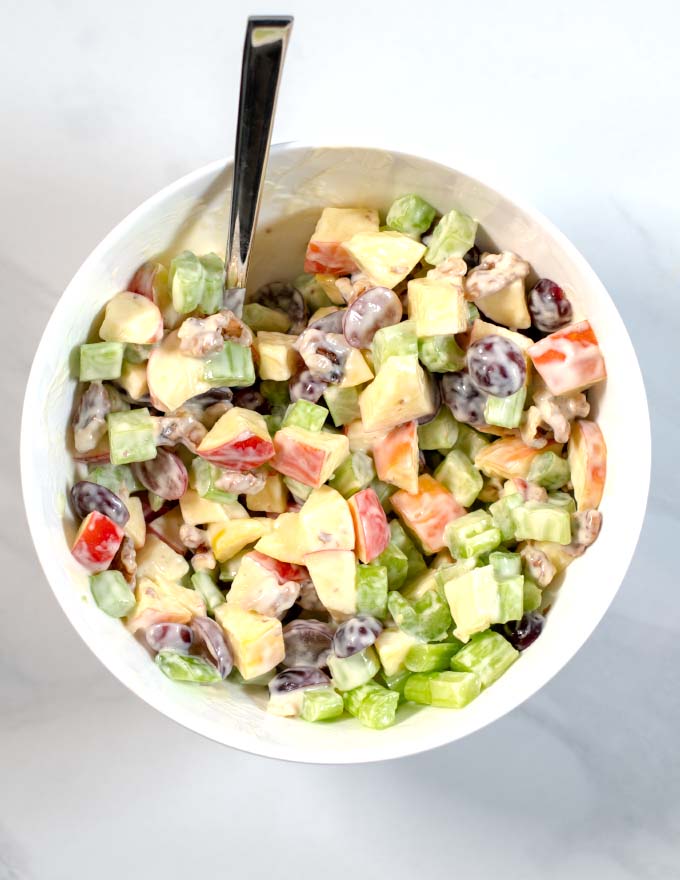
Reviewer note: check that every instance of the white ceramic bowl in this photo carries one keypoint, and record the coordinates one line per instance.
(301, 180)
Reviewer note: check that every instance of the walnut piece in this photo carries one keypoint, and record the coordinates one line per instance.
(203, 336)
(192, 537)
(538, 566)
(585, 527)
(452, 269)
(494, 273)
(558, 412)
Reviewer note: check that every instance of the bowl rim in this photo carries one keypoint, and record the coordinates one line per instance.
(251, 745)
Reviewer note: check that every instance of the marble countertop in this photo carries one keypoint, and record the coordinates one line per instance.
(575, 107)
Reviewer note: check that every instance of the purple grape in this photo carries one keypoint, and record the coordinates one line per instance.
(524, 632)
(210, 398)
(305, 386)
(355, 635)
(496, 365)
(308, 643)
(284, 298)
(472, 257)
(210, 635)
(298, 677)
(375, 308)
(330, 323)
(463, 398)
(250, 398)
(436, 396)
(549, 306)
(174, 636)
(86, 497)
(165, 475)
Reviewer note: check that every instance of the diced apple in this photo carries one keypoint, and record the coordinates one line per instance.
(226, 539)
(97, 541)
(371, 530)
(134, 380)
(285, 541)
(386, 257)
(238, 440)
(361, 440)
(325, 251)
(310, 457)
(437, 306)
(131, 317)
(135, 527)
(397, 457)
(172, 376)
(163, 601)
(509, 457)
(157, 560)
(151, 280)
(326, 521)
(256, 641)
(558, 554)
(101, 454)
(277, 355)
(587, 455)
(427, 513)
(333, 573)
(197, 511)
(507, 306)
(330, 288)
(283, 571)
(257, 587)
(272, 498)
(570, 359)
(392, 646)
(357, 371)
(399, 393)
(166, 527)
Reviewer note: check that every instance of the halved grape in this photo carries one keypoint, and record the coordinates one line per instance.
(175, 636)
(165, 475)
(496, 365)
(209, 633)
(86, 497)
(305, 386)
(308, 643)
(285, 298)
(549, 306)
(298, 677)
(377, 307)
(330, 323)
(524, 632)
(356, 635)
(250, 398)
(463, 398)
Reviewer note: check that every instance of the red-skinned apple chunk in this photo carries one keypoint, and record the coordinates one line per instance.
(587, 454)
(396, 457)
(239, 440)
(569, 359)
(427, 513)
(308, 456)
(97, 542)
(370, 524)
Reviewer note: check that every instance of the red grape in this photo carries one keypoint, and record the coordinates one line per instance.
(375, 308)
(549, 306)
(356, 635)
(496, 366)
(463, 398)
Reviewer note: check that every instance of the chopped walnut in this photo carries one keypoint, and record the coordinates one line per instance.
(352, 287)
(537, 565)
(529, 429)
(125, 560)
(203, 561)
(203, 336)
(558, 412)
(181, 426)
(213, 413)
(528, 491)
(491, 490)
(192, 537)
(324, 354)
(89, 419)
(494, 273)
(239, 483)
(585, 527)
(452, 269)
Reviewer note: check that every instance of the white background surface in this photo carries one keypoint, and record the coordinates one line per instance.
(572, 106)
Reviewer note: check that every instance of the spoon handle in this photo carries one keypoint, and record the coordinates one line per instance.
(263, 55)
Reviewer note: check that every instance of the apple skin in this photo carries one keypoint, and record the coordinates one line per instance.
(97, 542)
(396, 458)
(328, 258)
(239, 440)
(370, 524)
(166, 527)
(587, 456)
(297, 460)
(427, 513)
(569, 359)
(284, 571)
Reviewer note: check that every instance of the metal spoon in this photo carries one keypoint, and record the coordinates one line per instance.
(264, 51)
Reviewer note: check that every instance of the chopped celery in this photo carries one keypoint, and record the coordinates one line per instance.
(274, 419)
(114, 477)
(453, 236)
(510, 598)
(471, 535)
(446, 690)
(378, 710)
(371, 587)
(431, 658)
(470, 441)
(155, 501)
(187, 282)
(460, 477)
(112, 593)
(202, 478)
(428, 618)
(131, 436)
(136, 353)
(450, 572)
(350, 672)
(259, 317)
(440, 433)
(213, 283)
(353, 475)
(538, 521)
(397, 681)
(501, 513)
(313, 293)
(396, 340)
(410, 214)
(101, 360)
(441, 354)
(419, 586)
(229, 569)
(354, 698)
(384, 491)
(562, 499)
(473, 313)
(549, 470)
(204, 584)
(343, 404)
(181, 667)
(505, 411)
(416, 563)
(488, 655)
(532, 596)
(275, 393)
(298, 489)
(321, 704)
(304, 414)
(505, 565)
(395, 564)
(233, 366)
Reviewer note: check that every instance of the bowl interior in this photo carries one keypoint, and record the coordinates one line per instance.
(192, 213)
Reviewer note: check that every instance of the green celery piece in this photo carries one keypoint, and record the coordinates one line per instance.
(379, 710)
(213, 283)
(354, 698)
(505, 565)
(304, 414)
(562, 499)
(431, 658)
(532, 596)
(395, 340)
(549, 470)
(384, 491)
(274, 419)
(275, 393)
(343, 404)
(501, 513)
(298, 489)
(131, 436)
(350, 672)
(445, 690)
(417, 689)
(416, 563)
(510, 598)
(427, 619)
(229, 569)
(371, 585)
(463, 480)
(539, 521)
(441, 354)
(473, 313)
(470, 441)
(453, 236)
(202, 478)
(313, 293)
(155, 501)
(187, 282)
(135, 353)
(101, 360)
(471, 535)
(353, 474)
(112, 593)
(440, 433)
(505, 411)
(395, 563)
(410, 214)
(397, 681)
(233, 366)
(116, 478)
(450, 572)
(204, 584)
(487, 654)
(182, 667)
(425, 582)
(259, 317)
(321, 704)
